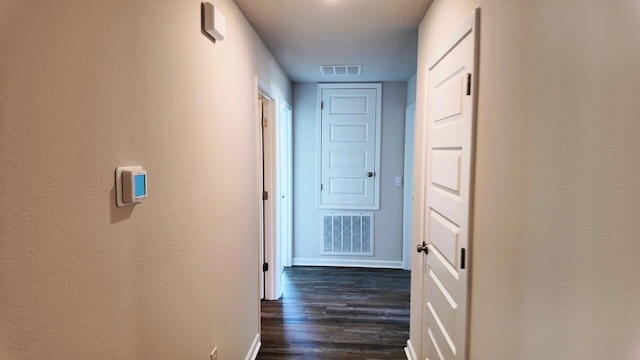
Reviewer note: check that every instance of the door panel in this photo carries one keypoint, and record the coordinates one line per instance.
(436, 353)
(450, 121)
(441, 299)
(347, 159)
(349, 133)
(446, 169)
(348, 188)
(447, 204)
(444, 236)
(349, 105)
(448, 95)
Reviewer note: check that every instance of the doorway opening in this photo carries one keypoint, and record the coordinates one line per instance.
(275, 137)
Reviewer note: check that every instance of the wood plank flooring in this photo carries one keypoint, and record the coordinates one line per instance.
(338, 313)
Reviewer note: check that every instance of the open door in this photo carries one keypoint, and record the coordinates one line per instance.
(449, 189)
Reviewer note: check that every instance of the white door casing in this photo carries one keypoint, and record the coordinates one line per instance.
(450, 152)
(268, 122)
(285, 179)
(260, 189)
(268, 182)
(407, 197)
(349, 132)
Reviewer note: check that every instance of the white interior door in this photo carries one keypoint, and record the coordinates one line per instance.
(350, 151)
(450, 143)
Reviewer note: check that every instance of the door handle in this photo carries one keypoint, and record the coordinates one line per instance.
(423, 248)
(369, 174)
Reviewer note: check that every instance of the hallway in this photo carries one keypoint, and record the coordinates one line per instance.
(338, 313)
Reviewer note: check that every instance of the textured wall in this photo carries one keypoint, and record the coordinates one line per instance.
(307, 229)
(555, 268)
(411, 90)
(87, 86)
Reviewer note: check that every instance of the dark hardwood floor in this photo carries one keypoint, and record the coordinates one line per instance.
(338, 313)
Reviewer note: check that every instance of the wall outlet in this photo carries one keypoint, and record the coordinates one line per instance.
(214, 353)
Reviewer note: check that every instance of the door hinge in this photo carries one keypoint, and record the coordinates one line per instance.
(322, 105)
(264, 122)
(468, 84)
(321, 187)
(265, 267)
(463, 258)
(265, 195)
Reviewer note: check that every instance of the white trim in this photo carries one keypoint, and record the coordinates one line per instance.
(258, 194)
(407, 190)
(255, 347)
(382, 264)
(285, 171)
(273, 284)
(409, 351)
(376, 201)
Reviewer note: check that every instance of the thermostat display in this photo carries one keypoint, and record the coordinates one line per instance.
(140, 182)
(131, 185)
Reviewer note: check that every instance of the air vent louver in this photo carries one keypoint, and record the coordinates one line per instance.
(347, 234)
(341, 70)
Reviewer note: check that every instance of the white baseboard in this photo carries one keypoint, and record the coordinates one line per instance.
(255, 347)
(348, 263)
(409, 351)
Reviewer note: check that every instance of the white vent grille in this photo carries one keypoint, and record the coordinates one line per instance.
(341, 70)
(347, 233)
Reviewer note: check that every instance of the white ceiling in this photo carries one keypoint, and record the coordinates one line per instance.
(380, 35)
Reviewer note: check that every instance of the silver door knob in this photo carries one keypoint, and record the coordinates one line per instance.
(423, 248)
(369, 174)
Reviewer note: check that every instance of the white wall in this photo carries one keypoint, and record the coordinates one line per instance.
(411, 90)
(307, 229)
(91, 85)
(554, 262)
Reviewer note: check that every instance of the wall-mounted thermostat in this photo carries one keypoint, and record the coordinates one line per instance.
(213, 22)
(131, 185)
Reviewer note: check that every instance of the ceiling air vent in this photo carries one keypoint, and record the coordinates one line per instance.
(341, 70)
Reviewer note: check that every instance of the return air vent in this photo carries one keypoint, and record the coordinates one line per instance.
(341, 70)
(347, 233)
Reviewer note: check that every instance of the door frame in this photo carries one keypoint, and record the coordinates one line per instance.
(268, 184)
(258, 192)
(407, 213)
(285, 177)
(271, 168)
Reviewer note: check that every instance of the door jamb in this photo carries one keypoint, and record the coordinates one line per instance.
(268, 164)
(407, 206)
(285, 170)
